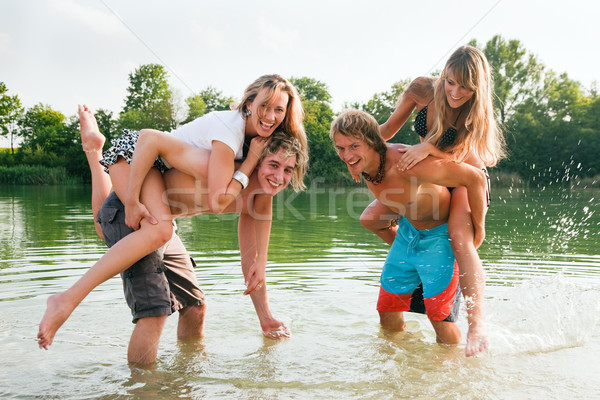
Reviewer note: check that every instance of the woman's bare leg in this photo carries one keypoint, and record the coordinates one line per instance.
(119, 257)
(379, 219)
(92, 142)
(472, 276)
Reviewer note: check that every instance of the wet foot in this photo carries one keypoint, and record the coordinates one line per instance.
(275, 330)
(476, 341)
(56, 314)
(91, 138)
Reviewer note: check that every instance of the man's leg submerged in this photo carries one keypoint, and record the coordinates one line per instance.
(446, 332)
(143, 345)
(393, 321)
(186, 295)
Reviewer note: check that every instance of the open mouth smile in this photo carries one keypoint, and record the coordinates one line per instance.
(273, 183)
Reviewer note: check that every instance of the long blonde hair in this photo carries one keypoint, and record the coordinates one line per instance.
(480, 134)
(294, 116)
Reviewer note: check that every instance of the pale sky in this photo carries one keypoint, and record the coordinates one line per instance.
(66, 52)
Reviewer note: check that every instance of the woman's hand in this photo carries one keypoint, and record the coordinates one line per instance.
(255, 278)
(412, 155)
(135, 212)
(479, 236)
(257, 145)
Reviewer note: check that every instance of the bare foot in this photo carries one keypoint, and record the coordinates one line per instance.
(476, 340)
(56, 314)
(91, 138)
(275, 330)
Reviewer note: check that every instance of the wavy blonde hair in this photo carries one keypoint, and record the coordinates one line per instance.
(480, 134)
(275, 84)
(290, 146)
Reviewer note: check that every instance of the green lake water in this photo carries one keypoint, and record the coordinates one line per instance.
(541, 256)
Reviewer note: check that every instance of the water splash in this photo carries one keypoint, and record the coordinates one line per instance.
(543, 314)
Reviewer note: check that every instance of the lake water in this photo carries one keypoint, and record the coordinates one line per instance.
(542, 261)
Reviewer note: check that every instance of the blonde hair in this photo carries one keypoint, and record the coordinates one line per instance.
(294, 116)
(290, 146)
(480, 134)
(361, 125)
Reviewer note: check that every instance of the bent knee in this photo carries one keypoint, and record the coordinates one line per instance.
(367, 223)
(158, 234)
(373, 222)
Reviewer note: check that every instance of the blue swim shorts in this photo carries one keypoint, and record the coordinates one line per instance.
(422, 257)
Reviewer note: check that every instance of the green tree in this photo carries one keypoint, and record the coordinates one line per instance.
(196, 108)
(215, 100)
(515, 73)
(149, 103)
(42, 127)
(107, 124)
(311, 89)
(325, 165)
(551, 137)
(208, 100)
(383, 104)
(10, 113)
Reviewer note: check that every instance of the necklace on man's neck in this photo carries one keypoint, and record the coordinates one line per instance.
(376, 180)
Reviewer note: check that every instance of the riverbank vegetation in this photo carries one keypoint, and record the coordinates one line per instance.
(551, 123)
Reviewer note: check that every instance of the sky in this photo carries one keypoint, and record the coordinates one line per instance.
(66, 52)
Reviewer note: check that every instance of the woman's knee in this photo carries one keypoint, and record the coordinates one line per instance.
(373, 221)
(366, 221)
(158, 234)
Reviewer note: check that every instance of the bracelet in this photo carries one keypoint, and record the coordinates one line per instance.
(91, 151)
(241, 178)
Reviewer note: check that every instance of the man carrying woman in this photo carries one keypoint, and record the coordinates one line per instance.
(421, 254)
(271, 102)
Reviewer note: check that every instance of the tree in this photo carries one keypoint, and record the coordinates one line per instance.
(324, 162)
(214, 100)
(311, 89)
(551, 136)
(10, 113)
(107, 125)
(383, 104)
(196, 108)
(208, 100)
(515, 73)
(41, 126)
(49, 139)
(149, 103)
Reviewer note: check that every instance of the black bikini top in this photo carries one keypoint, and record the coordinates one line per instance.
(449, 135)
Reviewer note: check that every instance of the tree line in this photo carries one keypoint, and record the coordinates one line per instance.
(551, 122)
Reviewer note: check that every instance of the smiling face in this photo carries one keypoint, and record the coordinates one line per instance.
(266, 115)
(357, 155)
(275, 172)
(456, 94)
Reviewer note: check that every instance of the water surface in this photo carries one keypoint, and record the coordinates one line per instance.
(542, 262)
